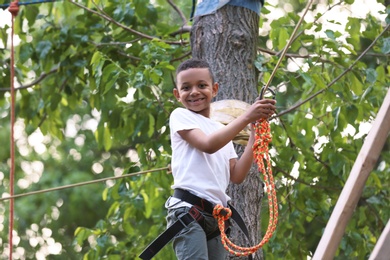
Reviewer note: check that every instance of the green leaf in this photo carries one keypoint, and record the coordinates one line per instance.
(330, 34)
(386, 46)
(82, 234)
(107, 139)
(380, 74)
(109, 77)
(151, 125)
(105, 194)
(374, 200)
(113, 209)
(25, 52)
(31, 14)
(371, 75)
(336, 116)
(356, 85)
(319, 81)
(55, 100)
(43, 48)
(352, 113)
(148, 204)
(336, 163)
(283, 38)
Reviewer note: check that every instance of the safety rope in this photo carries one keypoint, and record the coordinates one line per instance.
(261, 153)
(13, 9)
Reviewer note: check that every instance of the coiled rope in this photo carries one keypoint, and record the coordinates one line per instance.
(260, 153)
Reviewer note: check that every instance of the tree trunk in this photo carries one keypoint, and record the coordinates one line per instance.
(227, 39)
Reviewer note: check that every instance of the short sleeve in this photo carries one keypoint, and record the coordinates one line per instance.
(182, 119)
(233, 153)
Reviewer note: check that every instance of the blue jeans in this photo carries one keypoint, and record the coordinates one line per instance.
(191, 242)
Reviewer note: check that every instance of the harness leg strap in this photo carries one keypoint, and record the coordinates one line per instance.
(153, 248)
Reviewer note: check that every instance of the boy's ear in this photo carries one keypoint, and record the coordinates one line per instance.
(215, 89)
(176, 94)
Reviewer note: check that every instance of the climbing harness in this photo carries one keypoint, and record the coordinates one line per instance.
(199, 205)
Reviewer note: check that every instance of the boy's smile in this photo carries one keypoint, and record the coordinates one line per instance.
(195, 90)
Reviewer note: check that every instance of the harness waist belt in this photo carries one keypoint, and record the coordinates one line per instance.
(201, 204)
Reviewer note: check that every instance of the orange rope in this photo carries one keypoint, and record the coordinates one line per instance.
(260, 152)
(13, 9)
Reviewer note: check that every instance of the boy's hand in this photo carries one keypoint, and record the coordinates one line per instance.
(264, 108)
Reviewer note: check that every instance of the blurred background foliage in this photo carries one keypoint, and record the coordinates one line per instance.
(94, 91)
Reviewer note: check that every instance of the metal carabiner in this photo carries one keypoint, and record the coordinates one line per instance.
(263, 92)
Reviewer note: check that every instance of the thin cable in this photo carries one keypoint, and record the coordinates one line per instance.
(5, 6)
(292, 38)
(80, 184)
(13, 9)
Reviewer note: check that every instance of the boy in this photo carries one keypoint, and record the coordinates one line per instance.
(204, 159)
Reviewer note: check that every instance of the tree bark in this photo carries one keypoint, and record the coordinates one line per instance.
(228, 39)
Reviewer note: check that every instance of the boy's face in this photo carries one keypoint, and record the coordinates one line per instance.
(195, 90)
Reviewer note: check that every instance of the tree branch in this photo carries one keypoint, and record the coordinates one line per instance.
(295, 55)
(99, 44)
(111, 20)
(179, 12)
(129, 56)
(182, 30)
(288, 176)
(38, 80)
(181, 57)
(336, 79)
(185, 28)
(315, 20)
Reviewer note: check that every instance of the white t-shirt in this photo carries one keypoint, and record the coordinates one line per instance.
(205, 175)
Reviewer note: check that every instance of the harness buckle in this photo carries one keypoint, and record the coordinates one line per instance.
(195, 213)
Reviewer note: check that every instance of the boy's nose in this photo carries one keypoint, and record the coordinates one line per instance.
(194, 91)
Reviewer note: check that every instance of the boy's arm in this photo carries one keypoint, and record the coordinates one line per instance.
(215, 141)
(239, 168)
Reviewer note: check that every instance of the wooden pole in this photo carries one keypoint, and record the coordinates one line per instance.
(382, 249)
(353, 188)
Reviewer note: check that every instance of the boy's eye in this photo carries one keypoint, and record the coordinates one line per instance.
(202, 85)
(185, 87)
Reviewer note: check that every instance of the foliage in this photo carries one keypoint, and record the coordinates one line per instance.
(95, 86)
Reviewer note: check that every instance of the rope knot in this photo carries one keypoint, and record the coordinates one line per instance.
(221, 212)
(14, 8)
(263, 137)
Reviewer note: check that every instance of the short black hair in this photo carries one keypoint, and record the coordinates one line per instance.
(194, 64)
